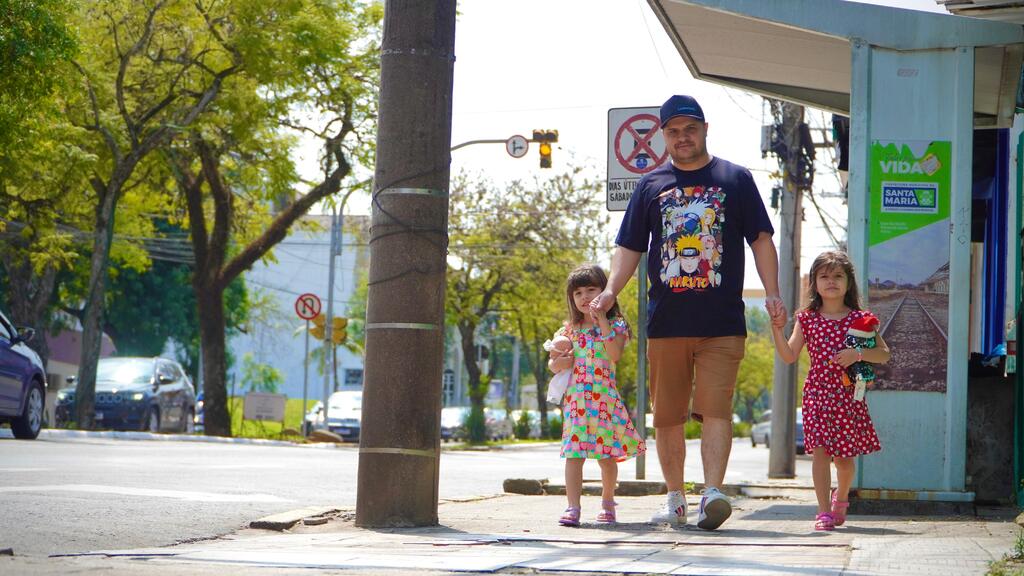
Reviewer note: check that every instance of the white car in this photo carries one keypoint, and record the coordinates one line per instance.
(344, 414)
(761, 432)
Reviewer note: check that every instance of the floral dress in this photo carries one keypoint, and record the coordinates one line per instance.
(832, 418)
(595, 423)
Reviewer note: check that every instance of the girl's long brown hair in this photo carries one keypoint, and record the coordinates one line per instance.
(828, 261)
(583, 276)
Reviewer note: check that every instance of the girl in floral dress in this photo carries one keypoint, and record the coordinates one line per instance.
(837, 425)
(595, 423)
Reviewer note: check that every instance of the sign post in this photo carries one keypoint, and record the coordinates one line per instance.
(635, 147)
(307, 306)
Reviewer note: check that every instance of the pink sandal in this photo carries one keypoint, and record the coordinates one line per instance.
(825, 522)
(571, 517)
(839, 508)
(607, 514)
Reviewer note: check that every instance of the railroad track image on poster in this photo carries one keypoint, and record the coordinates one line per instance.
(908, 260)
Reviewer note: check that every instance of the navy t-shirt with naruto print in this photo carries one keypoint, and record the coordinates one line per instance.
(692, 225)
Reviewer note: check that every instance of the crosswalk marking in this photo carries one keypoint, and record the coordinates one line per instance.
(147, 492)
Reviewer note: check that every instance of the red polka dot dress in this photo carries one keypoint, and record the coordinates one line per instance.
(832, 418)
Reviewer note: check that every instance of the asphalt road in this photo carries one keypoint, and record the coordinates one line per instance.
(68, 495)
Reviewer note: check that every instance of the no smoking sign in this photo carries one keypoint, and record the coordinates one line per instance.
(635, 147)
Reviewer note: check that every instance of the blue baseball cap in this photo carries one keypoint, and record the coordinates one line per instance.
(681, 105)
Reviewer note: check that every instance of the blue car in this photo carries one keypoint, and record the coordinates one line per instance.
(149, 394)
(22, 382)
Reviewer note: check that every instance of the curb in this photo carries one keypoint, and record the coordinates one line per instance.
(544, 487)
(113, 434)
(285, 520)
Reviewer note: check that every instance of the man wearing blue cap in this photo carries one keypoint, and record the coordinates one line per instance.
(702, 208)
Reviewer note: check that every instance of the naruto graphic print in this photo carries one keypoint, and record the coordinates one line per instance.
(692, 247)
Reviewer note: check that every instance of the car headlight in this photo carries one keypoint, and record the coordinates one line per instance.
(138, 396)
(64, 395)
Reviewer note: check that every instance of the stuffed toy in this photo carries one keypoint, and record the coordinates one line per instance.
(861, 335)
(560, 381)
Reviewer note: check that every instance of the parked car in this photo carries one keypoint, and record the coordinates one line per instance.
(761, 431)
(453, 423)
(344, 414)
(199, 419)
(22, 382)
(134, 393)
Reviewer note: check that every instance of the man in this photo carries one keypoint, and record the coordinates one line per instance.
(694, 325)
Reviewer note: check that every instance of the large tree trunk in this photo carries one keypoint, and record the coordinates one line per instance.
(92, 319)
(476, 386)
(212, 327)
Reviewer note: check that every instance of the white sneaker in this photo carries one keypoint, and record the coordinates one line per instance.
(674, 511)
(714, 509)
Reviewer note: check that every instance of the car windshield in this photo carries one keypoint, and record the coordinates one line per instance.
(114, 372)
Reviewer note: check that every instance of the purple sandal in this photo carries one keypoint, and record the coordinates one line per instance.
(607, 514)
(571, 517)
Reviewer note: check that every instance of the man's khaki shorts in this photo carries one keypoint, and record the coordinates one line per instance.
(673, 362)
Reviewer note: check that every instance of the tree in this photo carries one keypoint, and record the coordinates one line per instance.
(40, 161)
(309, 67)
(509, 250)
(148, 69)
(258, 377)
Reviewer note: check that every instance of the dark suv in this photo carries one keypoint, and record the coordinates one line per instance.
(22, 382)
(150, 394)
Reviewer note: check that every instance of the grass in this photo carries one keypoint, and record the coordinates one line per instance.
(1011, 564)
(293, 417)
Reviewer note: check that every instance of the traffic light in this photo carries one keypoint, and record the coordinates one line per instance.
(545, 155)
(546, 138)
(318, 329)
(339, 331)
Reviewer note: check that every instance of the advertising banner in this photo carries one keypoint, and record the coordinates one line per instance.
(908, 260)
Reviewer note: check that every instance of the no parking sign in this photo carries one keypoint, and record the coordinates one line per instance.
(635, 147)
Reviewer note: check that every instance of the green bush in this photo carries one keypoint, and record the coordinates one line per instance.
(475, 426)
(522, 426)
(692, 429)
(741, 430)
(554, 427)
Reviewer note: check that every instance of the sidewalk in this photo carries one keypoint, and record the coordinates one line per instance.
(513, 534)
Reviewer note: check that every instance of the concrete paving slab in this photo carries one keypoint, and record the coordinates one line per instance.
(516, 533)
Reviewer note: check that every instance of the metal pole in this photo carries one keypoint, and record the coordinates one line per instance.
(400, 441)
(782, 446)
(329, 320)
(305, 381)
(641, 361)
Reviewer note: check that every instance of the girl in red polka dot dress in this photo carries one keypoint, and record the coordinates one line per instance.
(837, 426)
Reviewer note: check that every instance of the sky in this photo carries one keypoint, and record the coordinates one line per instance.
(539, 64)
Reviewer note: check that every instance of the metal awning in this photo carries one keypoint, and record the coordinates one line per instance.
(1003, 10)
(799, 50)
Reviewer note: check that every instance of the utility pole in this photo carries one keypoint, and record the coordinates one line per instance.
(782, 451)
(328, 357)
(400, 441)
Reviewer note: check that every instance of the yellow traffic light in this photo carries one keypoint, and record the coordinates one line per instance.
(545, 138)
(319, 320)
(317, 331)
(339, 323)
(545, 155)
(339, 333)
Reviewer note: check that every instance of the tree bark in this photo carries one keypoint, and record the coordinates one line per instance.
(399, 458)
(213, 348)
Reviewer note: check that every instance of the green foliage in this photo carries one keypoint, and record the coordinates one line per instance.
(741, 429)
(259, 377)
(522, 425)
(554, 430)
(692, 429)
(475, 426)
(294, 414)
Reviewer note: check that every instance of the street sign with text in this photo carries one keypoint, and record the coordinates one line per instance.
(635, 147)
